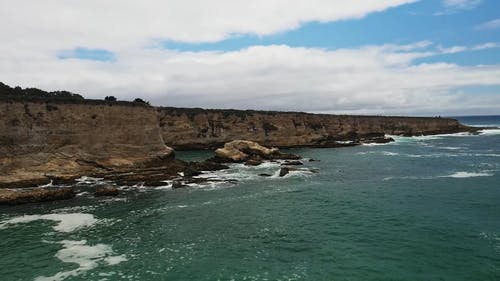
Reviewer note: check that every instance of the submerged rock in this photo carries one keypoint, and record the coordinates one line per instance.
(106, 191)
(18, 196)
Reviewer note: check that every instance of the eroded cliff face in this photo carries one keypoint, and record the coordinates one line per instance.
(197, 128)
(42, 140)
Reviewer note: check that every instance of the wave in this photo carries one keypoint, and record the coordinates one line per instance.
(403, 139)
(461, 175)
(65, 222)
(376, 144)
(490, 132)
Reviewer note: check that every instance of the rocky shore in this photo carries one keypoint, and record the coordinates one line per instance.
(59, 137)
(172, 172)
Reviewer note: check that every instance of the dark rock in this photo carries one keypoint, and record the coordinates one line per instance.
(265, 175)
(212, 164)
(313, 160)
(106, 191)
(286, 156)
(191, 172)
(253, 162)
(380, 140)
(177, 184)
(284, 171)
(15, 197)
(154, 183)
(292, 163)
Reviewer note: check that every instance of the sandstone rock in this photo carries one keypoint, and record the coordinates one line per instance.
(250, 152)
(19, 196)
(106, 191)
(38, 143)
(242, 150)
(185, 128)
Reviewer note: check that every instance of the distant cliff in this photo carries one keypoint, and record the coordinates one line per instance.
(184, 128)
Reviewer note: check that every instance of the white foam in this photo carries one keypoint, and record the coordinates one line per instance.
(88, 180)
(403, 139)
(375, 144)
(460, 175)
(87, 257)
(66, 222)
(451, 148)
(490, 132)
(388, 153)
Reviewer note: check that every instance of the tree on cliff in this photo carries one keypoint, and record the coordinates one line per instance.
(139, 100)
(6, 92)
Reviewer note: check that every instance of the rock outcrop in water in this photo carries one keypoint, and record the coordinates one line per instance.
(249, 152)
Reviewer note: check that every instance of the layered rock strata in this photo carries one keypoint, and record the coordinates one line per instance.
(44, 141)
(183, 128)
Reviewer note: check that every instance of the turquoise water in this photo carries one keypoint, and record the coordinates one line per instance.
(424, 208)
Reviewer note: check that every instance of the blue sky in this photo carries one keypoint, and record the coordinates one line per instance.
(425, 20)
(410, 57)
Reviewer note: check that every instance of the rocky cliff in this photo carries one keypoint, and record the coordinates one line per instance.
(184, 128)
(40, 140)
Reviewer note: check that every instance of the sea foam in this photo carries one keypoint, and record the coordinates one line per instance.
(87, 257)
(65, 222)
(460, 175)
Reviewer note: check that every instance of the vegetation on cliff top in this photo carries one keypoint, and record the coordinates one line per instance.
(8, 93)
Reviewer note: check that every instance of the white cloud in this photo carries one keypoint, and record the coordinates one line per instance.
(370, 79)
(112, 24)
(455, 6)
(492, 24)
(461, 4)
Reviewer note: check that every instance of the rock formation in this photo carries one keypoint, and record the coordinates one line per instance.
(250, 152)
(42, 141)
(60, 136)
(194, 128)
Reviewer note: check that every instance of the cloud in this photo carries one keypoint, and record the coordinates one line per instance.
(113, 24)
(461, 4)
(455, 6)
(490, 25)
(371, 79)
(461, 49)
(100, 48)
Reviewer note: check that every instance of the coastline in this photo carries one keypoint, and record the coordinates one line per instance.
(52, 141)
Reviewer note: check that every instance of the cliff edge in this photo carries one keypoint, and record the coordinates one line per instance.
(44, 140)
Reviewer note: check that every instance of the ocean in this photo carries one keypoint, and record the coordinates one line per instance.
(421, 208)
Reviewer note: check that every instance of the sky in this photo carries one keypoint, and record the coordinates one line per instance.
(390, 57)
